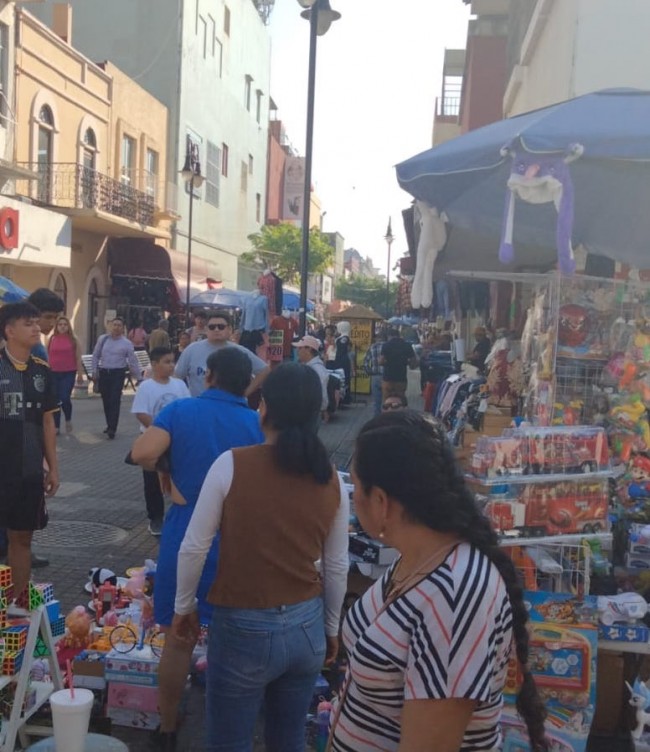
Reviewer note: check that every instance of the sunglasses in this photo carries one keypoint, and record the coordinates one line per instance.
(392, 406)
(220, 327)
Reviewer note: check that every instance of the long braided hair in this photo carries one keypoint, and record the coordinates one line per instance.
(408, 456)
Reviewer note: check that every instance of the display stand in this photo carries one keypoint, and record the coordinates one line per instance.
(16, 726)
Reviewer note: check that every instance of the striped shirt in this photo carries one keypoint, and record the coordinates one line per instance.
(448, 637)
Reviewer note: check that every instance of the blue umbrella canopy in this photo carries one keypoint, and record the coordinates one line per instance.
(467, 177)
(291, 301)
(219, 298)
(10, 292)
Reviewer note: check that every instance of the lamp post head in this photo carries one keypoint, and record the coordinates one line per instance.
(306, 3)
(191, 172)
(326, 16)
(389, 237)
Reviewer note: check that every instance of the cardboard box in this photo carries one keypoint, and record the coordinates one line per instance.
(132, 696)
(610, 693)
(136, 667)
(624, 632)
(140, 719)
(634, 561)
(88, 668)
(495, 420)
(371, 550)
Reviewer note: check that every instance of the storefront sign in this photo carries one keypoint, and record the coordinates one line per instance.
(361, 336)
(294, 188)
(9, 228)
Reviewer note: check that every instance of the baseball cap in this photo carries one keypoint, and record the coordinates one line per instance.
(309, 341)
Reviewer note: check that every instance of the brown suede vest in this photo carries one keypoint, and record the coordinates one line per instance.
(273, 529)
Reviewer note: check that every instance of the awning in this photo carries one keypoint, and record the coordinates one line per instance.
(132, 257)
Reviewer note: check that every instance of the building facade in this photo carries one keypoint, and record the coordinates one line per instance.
(560, 49)
(208, 61)
(73, 117)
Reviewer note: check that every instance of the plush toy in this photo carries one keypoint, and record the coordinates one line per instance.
(573, 326)
(77, 625)
(99, 576)
(541, 179)
(433, 236)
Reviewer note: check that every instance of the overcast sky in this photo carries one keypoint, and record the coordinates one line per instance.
(379, 70)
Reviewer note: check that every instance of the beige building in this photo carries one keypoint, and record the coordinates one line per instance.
(98, 143)
(560, 49)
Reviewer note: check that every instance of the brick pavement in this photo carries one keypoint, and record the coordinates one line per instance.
(99, 489)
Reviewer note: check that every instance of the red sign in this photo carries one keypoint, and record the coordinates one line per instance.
(9, 228)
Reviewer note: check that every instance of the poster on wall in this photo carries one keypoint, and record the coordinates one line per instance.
(294, 188)
(361, 336)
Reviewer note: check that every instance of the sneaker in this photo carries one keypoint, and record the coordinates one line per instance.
(105, 430)
(68, 426)
(15, 611)
(155, 527)
(111, 434)
(38, 562)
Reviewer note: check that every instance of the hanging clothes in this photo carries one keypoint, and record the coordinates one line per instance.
(278, 293)
(266, 285)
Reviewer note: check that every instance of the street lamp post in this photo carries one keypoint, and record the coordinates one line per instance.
(191, 174)
(320, 16)
(388, 237)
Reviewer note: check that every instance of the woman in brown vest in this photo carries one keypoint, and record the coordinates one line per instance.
(280, 507)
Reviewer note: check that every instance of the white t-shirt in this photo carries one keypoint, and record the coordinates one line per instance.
(152, 396)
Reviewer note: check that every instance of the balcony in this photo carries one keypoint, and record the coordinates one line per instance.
(97, 201)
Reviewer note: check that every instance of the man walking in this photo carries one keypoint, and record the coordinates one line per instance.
(153, 394)
(192, 367)
(112, 355)
(195, 431)
(28, 402)
(308, 349)
(396, 356)
(371, 365)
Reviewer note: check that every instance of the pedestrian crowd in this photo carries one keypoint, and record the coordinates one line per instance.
(255, 540)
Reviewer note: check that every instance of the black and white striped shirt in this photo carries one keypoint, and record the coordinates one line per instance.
(448, 637)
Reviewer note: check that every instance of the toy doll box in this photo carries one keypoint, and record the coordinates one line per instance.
(137, 667)
(132, 697)
(372, 551)
(624, 632)
(561, 608)
(139, 719)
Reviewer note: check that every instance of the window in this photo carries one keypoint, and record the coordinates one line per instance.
(224, 160)
(61, 289)
(258, 207)
(226, 20)
(44, 153)
(151, 173)
(203, 35)
(244, 176)
(248, 91)
(258, 106)
(89, 149)
(4, 70)
(219, 56)
(88, 175)
(127, 166)
(250, 164)
(212, 174)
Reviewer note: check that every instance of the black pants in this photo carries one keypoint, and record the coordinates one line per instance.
(153, 495)
(111, 383)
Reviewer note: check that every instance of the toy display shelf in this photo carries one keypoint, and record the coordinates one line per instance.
(618, 646)
(504, 480)
(550, 540)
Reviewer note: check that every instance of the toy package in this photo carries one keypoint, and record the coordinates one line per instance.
(563, 662)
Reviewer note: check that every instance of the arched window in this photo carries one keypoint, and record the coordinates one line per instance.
(61, 289)
(88, 175)
(44, 155)
(90, 139)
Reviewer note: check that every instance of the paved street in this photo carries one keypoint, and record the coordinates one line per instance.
(98, 517)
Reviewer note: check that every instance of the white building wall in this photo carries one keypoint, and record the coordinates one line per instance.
(582, 46)
(160, 43)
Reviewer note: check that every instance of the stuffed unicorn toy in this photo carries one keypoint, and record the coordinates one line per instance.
(541, 179)
(639, 699)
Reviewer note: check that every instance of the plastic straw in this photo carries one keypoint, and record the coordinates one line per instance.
(70, 680)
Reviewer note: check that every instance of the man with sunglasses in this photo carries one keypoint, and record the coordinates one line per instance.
(192, 364)
(394, 402)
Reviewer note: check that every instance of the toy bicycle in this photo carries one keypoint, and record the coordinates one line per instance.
(126, 637)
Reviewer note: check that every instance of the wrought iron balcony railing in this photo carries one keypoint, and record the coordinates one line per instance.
(74, 186)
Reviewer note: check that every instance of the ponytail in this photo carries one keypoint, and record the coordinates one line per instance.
(299, 451)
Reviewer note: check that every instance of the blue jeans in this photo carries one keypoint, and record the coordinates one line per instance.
(267, 655)
(64, 383)
(375, 391)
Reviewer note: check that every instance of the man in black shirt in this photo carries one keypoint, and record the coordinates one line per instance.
(396, 356)
(481, 349)
(28, 402)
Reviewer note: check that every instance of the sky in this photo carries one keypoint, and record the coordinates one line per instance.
(378, 72)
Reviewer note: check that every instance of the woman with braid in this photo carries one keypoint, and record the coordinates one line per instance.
(429, 643)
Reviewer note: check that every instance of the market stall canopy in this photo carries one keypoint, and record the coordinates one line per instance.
(220, 298)
(291, 301)
(356, 312)
(10, 292)
(590, 154)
